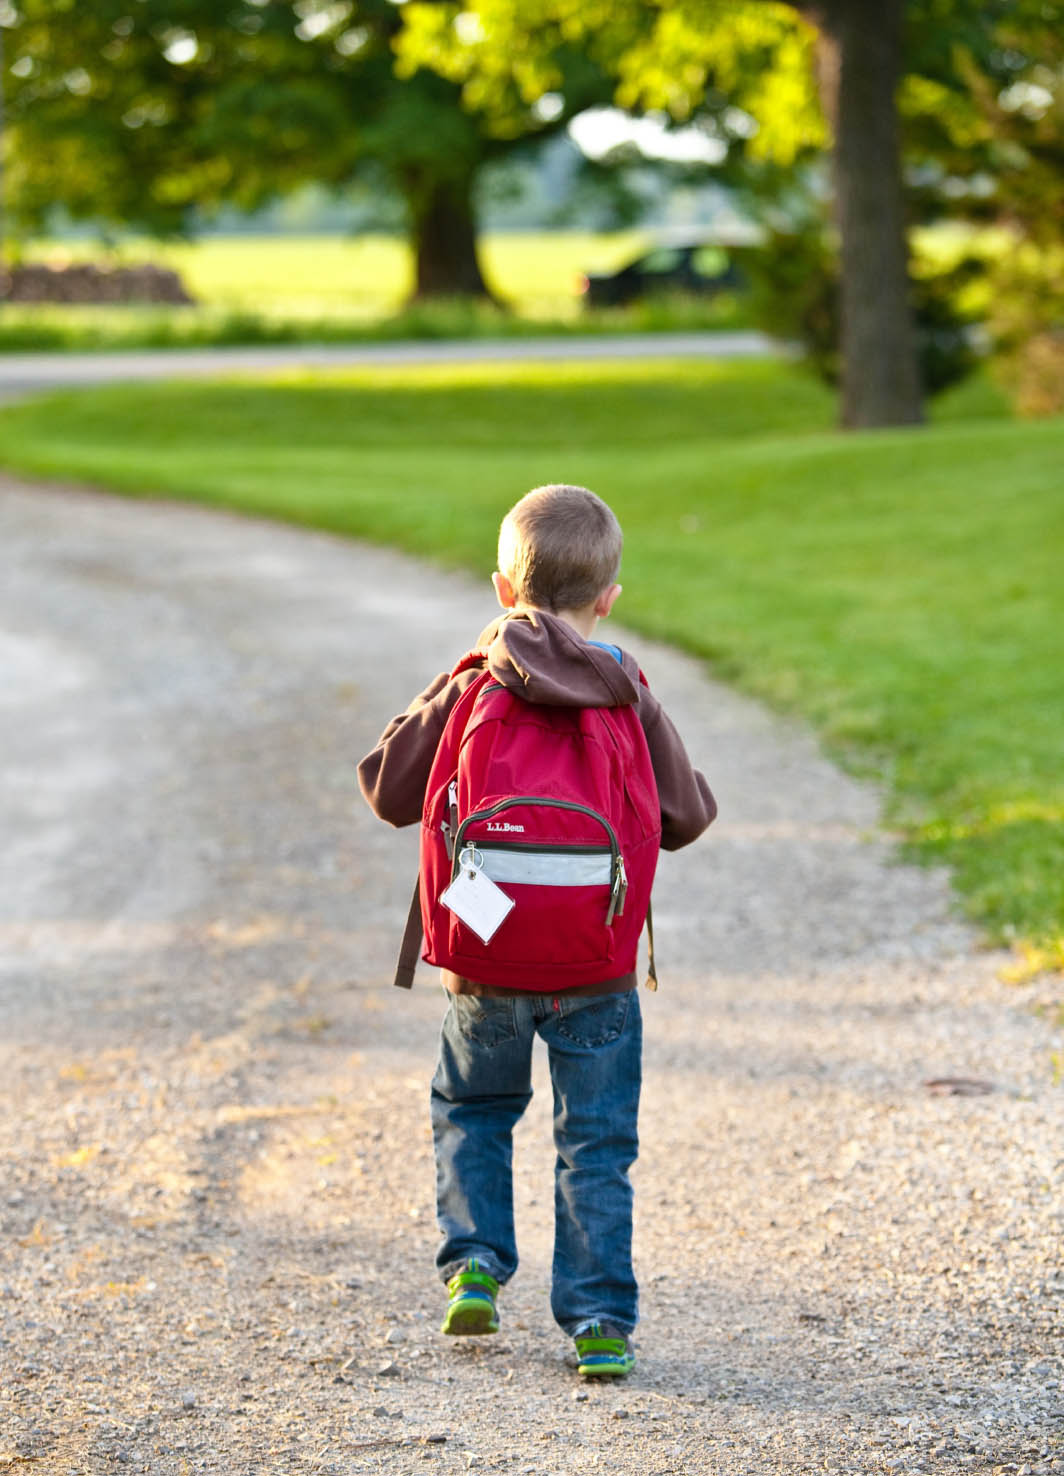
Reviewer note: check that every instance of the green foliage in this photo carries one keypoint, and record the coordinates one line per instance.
(133, 114)
(795, 296)
(744, 70)
(1027, 325)
(983, 112)
(900, 590)
(671, 312)
(1034, 374)
(944, 336)
(139, 115)
(80, 329)
(711, 56)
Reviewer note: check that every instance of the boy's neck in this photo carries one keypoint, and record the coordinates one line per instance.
(584, 622)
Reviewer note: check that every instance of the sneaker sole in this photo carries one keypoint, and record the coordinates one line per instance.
(613, 1369)
(470, 1317)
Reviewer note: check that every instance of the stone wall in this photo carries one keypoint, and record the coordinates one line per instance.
(86, 282)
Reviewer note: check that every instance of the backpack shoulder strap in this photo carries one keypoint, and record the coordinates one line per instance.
(470, 660)
(652, 968)
(410, 947)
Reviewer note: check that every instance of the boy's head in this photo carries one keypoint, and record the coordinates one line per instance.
(559, 550)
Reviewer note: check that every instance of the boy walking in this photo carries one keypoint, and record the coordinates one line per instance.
(559, 557)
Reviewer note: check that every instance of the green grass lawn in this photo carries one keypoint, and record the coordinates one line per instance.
(901, 590)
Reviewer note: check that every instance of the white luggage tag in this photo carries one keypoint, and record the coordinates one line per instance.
(475, 899)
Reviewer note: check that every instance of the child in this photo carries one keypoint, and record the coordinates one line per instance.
(559, 557)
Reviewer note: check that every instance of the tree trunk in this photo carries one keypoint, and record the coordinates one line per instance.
(444, 235)
(860, 68)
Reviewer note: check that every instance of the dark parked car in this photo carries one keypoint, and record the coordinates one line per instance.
(698, 267)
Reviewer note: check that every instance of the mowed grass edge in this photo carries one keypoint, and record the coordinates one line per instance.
(900, 590)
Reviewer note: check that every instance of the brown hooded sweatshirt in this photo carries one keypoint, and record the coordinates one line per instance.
(542, 658)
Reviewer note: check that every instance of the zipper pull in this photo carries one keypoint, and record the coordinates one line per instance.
(618, 892)
(450, 825)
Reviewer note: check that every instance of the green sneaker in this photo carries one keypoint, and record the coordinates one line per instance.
(603, 1352)
(472, 1306)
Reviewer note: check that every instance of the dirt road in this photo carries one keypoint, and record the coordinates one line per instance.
(215, 1168)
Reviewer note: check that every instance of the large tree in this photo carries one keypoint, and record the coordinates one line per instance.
(775, 80)
(860, 68)
(730, 64)
(757, 59)
(946, 108)
(140, 112)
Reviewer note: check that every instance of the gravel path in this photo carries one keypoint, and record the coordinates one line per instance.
(216, 1181)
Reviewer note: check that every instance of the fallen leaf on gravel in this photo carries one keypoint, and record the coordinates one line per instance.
(37, 1236)
(125, 1288)
(313, 1024)
(959, 1086)
(78, 1157)
(245, 935)
(239, 1112)
(76, 1071)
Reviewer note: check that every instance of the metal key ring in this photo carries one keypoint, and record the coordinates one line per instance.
(470, 857)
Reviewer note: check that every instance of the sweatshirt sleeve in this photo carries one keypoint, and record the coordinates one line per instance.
(687, 804)
(393, 777)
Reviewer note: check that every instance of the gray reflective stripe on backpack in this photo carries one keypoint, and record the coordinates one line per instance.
(545, 868)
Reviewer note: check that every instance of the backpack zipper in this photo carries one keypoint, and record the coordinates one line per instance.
(619, 881)
(508, 845)
(450, 825)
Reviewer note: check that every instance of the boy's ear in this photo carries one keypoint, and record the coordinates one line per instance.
(504, 591)
(606, 601)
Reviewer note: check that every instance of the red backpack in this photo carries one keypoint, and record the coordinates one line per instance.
(558, 808)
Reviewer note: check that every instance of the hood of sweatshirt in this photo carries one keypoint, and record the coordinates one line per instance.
(543, 659)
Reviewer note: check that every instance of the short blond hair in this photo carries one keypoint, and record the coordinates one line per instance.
(560, 547)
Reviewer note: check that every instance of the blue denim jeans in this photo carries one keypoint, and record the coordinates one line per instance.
(483, 1084)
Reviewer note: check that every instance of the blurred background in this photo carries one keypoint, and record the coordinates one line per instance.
(338, 169)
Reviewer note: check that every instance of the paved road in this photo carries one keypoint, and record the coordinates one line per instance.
(22, 374)
(215, 1177)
